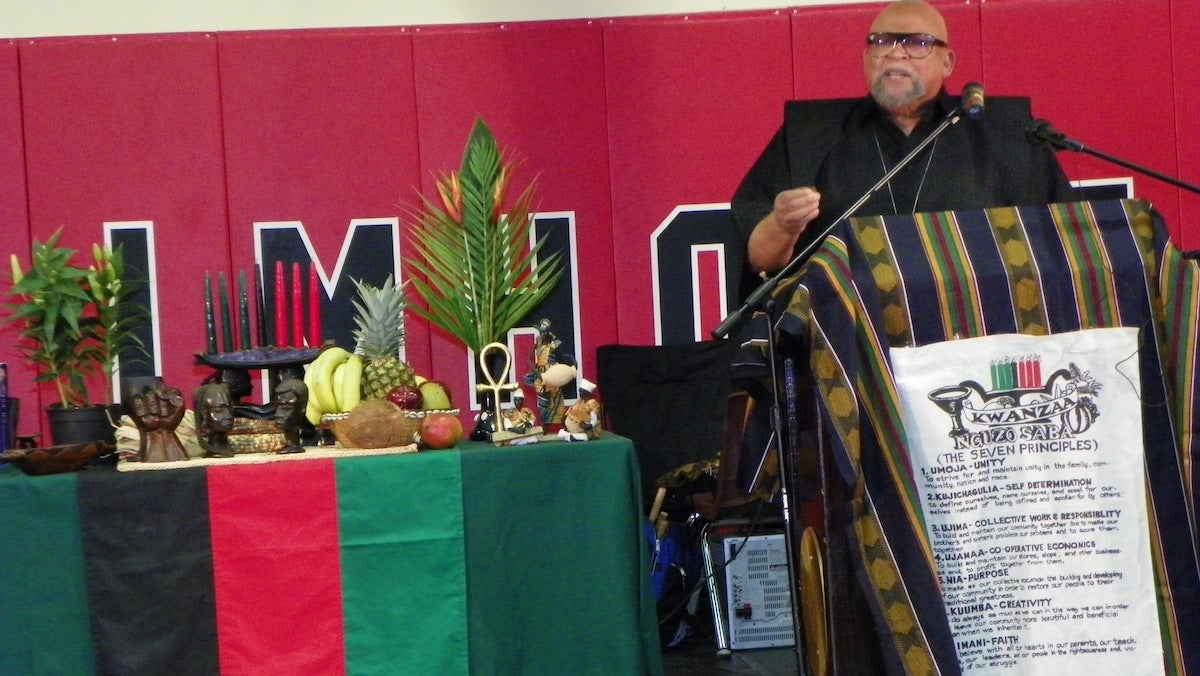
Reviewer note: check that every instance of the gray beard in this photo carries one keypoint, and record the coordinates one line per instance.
(891, 102)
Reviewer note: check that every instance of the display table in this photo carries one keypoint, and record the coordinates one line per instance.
(473, 560)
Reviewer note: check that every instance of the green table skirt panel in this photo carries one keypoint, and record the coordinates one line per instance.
(550, 552)
(44, 626)
(404, 583)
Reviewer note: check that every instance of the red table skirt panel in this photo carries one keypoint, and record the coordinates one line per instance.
(276, 568)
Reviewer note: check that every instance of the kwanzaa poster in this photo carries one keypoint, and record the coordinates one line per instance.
(1027, 453)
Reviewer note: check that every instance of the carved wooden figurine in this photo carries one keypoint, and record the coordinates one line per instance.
(290, 400)
(214, 419)
(583, 418)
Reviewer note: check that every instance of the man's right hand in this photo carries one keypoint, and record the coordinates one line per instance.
(771, 242)
(795, 209)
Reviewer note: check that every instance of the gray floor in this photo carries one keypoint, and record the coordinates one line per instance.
(699, 658)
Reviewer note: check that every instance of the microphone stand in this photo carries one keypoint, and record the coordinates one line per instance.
(1040, 130)
(785, 472)
(755, 299)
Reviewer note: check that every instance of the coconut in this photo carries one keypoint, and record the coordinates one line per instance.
(375, 423)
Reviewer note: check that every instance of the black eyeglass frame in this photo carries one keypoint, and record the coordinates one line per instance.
(907, 41)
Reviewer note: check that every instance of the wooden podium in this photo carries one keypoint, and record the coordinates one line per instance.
(885, 282)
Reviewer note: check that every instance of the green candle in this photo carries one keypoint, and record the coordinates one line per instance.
(244, 310)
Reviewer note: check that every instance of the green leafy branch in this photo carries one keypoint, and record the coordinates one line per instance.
(476, 273)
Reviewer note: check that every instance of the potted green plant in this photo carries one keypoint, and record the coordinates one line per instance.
(74, 322)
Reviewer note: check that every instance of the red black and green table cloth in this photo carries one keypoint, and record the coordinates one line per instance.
(476, 560)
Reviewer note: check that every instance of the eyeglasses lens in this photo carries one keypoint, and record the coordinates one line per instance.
(916, 45)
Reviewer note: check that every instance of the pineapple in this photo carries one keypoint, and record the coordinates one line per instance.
(379, 335)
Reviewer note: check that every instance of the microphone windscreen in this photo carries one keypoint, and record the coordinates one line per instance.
(1036, 130)
(972, 99)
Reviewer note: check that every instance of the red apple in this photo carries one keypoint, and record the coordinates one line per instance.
(406, 397)
(440, 430)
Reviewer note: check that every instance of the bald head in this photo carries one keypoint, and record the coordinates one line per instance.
(911, 16)
(900, 83)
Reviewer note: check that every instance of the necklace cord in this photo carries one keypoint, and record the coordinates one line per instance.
(920, 186)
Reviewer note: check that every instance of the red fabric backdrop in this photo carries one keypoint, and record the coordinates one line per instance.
(129, 130)
(637, 130)
(692, 100)
(14, 236)
(1114, 100)
(540, 87)
(319, 134)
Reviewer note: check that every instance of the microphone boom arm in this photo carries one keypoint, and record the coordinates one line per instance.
(1042, 131)
(755, 299)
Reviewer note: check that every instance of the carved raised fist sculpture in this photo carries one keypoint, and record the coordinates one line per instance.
(157, 411)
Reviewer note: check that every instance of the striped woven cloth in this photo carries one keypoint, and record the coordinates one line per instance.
(895, 281)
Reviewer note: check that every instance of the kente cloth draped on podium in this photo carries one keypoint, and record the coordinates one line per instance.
(913, 280)
(477, 559)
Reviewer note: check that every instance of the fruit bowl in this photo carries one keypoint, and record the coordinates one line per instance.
(410, 423)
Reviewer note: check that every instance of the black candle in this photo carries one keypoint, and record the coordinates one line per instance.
(226, 319)
(210, 320)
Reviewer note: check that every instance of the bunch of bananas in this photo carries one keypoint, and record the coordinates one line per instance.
(334, 381)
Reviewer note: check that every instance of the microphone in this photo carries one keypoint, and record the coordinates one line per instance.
(1040, 131)
(972, 99)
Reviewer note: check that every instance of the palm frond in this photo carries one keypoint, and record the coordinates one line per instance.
(474, 272)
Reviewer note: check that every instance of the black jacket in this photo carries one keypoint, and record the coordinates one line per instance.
(840, 145)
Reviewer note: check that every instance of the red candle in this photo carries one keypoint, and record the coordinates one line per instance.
(297, 308)
(314, 307)
(280, 305)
